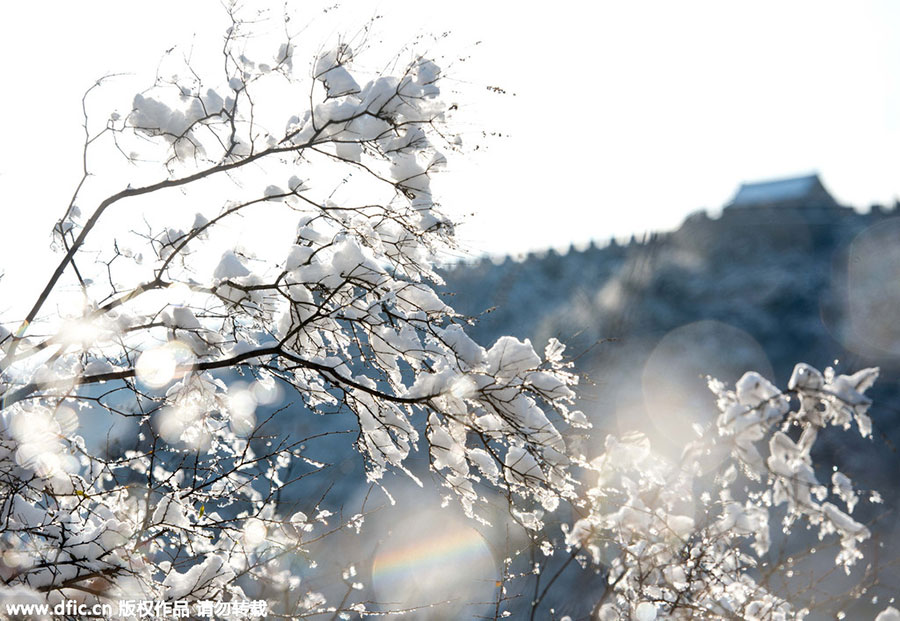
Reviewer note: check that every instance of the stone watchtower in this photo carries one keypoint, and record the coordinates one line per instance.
(806, 191)
(783, 213)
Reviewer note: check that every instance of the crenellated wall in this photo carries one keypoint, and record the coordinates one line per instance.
(759, 288)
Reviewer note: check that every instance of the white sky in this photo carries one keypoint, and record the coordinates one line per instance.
(626, 116)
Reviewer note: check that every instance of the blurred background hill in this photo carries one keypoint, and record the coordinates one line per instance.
(783, 275)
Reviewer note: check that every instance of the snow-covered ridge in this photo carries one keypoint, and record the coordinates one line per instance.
(773, 285)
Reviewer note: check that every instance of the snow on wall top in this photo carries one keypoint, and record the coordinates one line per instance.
(779, 190)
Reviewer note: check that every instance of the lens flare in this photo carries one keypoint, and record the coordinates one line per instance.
(158, 366)
(67, 420)
(242, 406)
(80, 332)
(255, 532)
(266, 390)
(676, 396)
(434, 557)
(873, 291)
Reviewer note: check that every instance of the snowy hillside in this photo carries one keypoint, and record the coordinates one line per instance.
(757, 288)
